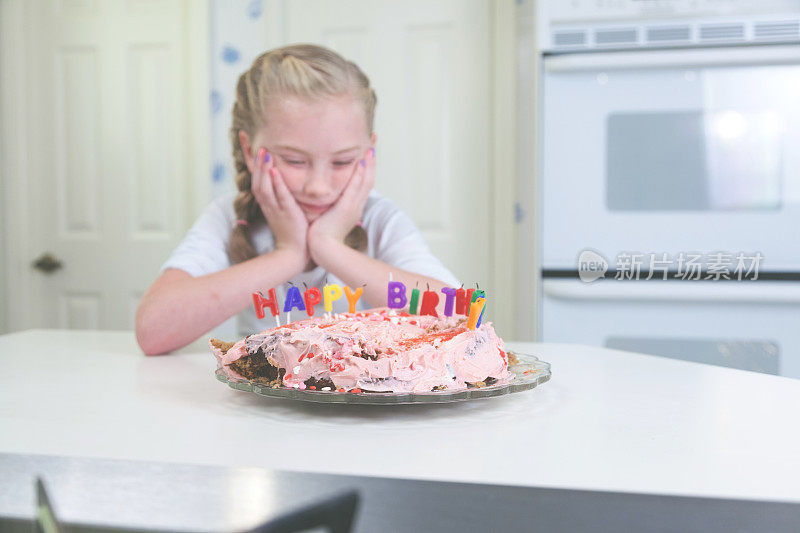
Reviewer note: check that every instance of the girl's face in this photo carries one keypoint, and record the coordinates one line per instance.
(316, 145)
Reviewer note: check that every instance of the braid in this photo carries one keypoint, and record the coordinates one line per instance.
(240, 245)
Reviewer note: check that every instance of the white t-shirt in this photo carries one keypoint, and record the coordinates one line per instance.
(393, 239)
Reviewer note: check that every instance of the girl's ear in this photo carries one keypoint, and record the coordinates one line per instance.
(247, 149)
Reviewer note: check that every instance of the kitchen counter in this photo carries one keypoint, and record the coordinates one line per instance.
(109, 495)
(607, 420)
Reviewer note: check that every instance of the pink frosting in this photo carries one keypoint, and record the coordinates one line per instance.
(412, 353)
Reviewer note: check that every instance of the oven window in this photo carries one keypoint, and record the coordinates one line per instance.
(694, 160)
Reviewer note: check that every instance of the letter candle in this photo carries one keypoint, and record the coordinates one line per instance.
(475, 311)
(463, 299)
(429, 302)
(272, 302)
(352, 297)
(412, 306)
(449, 299)
(331, 293)
(293, 299)
(312, 297)
(475, 295)
(396, 295)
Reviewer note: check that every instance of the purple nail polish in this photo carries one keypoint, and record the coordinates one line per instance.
(363, 163)
(372, 151)
(266, 157)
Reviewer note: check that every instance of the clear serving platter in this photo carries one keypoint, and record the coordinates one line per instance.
(529, 372)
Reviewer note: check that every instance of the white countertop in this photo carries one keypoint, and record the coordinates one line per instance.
(607, 420)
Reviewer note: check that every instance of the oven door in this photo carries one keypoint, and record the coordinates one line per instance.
(745, 325)
(670, 151)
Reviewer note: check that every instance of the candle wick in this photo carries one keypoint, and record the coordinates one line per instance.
(305, 285)
(429, 286)
(478, 286)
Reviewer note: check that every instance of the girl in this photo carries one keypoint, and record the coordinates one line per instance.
(303, 147)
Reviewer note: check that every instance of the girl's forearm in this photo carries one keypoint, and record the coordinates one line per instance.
(356, 269)
(178, 308)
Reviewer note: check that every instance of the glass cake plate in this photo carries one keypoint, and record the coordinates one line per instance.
(529, 372)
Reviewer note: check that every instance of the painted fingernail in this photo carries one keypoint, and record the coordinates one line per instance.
(363, 163)
(261, 152)
(266, 158)
(372, 151)
(273, 171)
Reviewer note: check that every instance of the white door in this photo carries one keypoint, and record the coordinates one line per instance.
(429, 65)
(105, 145)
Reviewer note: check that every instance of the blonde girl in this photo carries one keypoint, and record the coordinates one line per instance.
(304, 151)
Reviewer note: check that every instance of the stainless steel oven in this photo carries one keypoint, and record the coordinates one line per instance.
(664, 133)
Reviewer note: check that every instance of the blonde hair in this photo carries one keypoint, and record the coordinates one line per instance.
(304, 70)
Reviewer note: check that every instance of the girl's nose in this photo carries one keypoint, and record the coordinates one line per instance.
(318, 183)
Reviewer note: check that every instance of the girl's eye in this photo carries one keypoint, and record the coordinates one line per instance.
(295, 162)
(342, 163)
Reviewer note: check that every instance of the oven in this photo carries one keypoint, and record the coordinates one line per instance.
(661, 138)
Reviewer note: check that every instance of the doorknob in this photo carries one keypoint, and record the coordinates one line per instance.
(47, 263)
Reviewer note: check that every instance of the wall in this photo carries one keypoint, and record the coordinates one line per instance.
(236, 39)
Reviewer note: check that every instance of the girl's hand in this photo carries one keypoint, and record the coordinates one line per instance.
(336, 222)
(284, 216)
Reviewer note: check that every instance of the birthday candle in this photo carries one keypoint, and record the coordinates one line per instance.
(396, 295)
(475, 311)
(312, 297)
(412, 306)
(352, 297)
(463, 299)
(429, 302)
(260, 303)
(450, 296)
(331, 293)
(479, 294)
(293, 299)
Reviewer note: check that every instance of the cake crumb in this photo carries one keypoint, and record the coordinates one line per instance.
(222, 345)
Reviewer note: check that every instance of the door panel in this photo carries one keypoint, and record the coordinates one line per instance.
(428, 63)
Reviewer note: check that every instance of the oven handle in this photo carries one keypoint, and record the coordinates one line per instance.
(687, 58)
(761, 292)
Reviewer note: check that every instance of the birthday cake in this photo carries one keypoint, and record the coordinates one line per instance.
(381, 350)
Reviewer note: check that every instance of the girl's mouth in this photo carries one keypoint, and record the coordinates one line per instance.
(314, 208)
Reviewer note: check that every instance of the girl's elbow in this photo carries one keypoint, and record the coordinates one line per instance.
(147, 334)
(148, 343)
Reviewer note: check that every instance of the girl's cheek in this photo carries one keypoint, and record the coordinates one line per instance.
(341, 176)
(294, 177)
